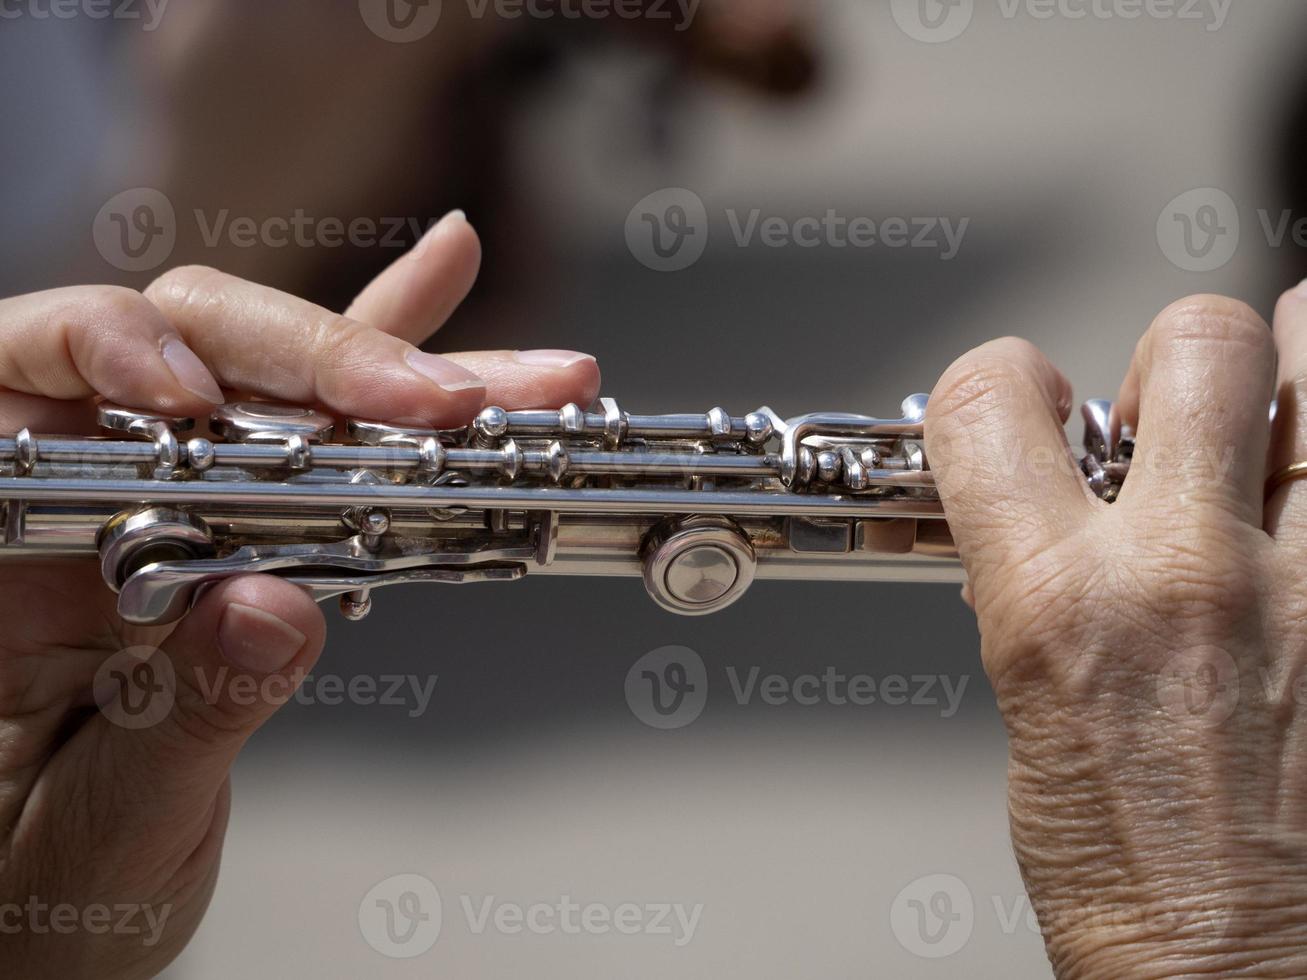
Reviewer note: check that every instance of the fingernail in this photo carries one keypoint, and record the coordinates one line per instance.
(444, 372)
(551, 358)
(256, 640)
(455, 217)
(189, 370)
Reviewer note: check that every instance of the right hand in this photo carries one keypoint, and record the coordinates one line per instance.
(96, 815)
(1149, 656)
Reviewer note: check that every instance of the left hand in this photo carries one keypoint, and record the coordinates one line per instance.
(102, 816)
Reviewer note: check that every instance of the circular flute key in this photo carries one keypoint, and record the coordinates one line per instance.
(384, 434)
(268, 422)
(132, 540)
(698, 565)
(129, 421)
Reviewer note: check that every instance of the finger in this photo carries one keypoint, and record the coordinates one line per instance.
(415, 296)
(1286, 508)
(258, 339)
(228, 667)
(1005, 472)
(534, 378)
(1203, 373)
(100, 340)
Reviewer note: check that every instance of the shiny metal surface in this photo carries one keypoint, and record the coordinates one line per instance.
(698, 565)
(697, 505)
(268, 422)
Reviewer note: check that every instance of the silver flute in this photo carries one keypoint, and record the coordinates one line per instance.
(699, 506)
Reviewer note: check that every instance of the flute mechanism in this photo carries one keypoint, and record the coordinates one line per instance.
(699, 506)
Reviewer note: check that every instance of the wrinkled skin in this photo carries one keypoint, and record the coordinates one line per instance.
(1147, 655)
(93, 813)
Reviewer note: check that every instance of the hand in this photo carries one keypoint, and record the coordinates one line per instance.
(1148, 655)
(95, 815)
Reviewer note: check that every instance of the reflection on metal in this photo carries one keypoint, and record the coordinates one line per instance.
(697, 505)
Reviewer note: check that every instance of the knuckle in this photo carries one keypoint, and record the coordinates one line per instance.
(184, 286)
(104, 312)
(1199, 323)
(338, 343)
(975, 385)
(101, 329)
(117, 303)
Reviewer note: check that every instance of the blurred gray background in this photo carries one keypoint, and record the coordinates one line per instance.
(801, 830)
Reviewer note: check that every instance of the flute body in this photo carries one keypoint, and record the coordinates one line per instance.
(698, 506)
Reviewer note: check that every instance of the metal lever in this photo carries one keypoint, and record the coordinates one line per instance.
(162, 592)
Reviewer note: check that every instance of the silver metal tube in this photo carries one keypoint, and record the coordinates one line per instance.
(561, 500)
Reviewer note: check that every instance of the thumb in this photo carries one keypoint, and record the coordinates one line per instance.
(183, 712)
